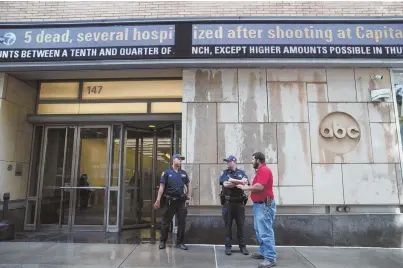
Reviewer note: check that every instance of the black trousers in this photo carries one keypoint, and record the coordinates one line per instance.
(168, 212)
(230, 212)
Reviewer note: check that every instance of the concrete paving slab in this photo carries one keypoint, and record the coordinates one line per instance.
(100, 255)
(146, 256)
(19, 252)
(60, 266)
(286, 257)
(396, 254)
(348, 258)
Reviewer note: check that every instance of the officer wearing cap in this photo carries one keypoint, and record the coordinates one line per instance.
(173, 200)
(233, 201)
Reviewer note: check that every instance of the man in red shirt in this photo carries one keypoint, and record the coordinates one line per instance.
(264, 210)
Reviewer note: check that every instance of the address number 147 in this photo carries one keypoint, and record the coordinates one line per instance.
(94, 89)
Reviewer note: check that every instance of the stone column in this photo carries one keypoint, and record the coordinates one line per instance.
(17, 100)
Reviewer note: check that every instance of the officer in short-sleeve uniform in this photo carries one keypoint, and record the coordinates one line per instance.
(233, 200)
(172, 195)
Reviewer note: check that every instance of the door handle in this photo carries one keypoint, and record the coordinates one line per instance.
(83, 188)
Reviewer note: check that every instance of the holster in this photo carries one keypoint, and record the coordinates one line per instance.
(170, 199)
(268, 201)
(222, 198)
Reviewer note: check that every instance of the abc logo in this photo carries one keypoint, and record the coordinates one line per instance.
(340, 133)
(8, 39)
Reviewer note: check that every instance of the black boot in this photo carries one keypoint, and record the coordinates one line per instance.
(244, 251)
(162, 245)
(182, 246)
(228, 251)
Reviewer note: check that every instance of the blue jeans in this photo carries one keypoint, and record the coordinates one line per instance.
(263, 223)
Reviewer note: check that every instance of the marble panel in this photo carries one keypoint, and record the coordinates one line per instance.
(3, 83)
(296, 75)
(21, 93)
(245, 139)
(381, 112)
(9, 183)
(341, 85)
(287, 102)
(384, 143)
(23, 147)
(23, 125)
(252, 95)
(210, 187)
(227, 112)
(369, 230)
(201, 137)
(294, 154)
(296, 195)
(210, 85)
(370, 184)
(8, 129)
(327, 184)
(193, 171)
(364, 83)
(344, 150)
(399, 179)
(317, 92)
(184, 131)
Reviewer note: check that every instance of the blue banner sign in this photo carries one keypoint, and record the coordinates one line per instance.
(186, 40)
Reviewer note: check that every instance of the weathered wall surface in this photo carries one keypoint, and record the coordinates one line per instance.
(97, 10)
(17, 100)
(281, 112)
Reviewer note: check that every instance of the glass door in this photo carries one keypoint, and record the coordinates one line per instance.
(138, 178)
(56, 171)
(91, 178)
(74, 174)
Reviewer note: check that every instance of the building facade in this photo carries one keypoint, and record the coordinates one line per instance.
(92, 110)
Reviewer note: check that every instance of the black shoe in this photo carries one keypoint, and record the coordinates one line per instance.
(267, 264)
(162, 245)
(228, 251)
(182, 246)
(244, 251)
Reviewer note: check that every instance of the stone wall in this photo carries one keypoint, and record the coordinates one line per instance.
(280, 112)
(17, 100)
(11, 11)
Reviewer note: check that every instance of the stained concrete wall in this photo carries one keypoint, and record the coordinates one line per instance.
(279, 112)
(17, 100)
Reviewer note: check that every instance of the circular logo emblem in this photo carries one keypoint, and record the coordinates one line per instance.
(9, 39)
(339, 132)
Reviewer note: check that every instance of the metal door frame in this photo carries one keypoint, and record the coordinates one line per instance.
(123, 188)
(74, 179)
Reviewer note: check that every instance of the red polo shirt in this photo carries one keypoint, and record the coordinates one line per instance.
(263, 176)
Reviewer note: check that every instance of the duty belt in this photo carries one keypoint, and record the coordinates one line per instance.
(175, 198)
(234, 199)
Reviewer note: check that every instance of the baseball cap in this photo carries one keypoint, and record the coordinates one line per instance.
(230, 158)
(178, 156)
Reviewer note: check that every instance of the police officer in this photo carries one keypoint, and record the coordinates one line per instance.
(173, 200)
(233, 200)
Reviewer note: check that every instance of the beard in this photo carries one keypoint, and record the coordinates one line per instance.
(255, 165)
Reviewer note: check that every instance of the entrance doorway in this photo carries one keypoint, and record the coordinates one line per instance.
(147, 154)
(99, 178)
(74, 177)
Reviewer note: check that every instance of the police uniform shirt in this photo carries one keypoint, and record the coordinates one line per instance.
(174, 181)
(233, 174)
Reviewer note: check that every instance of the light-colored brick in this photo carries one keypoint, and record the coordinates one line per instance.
(86, 10)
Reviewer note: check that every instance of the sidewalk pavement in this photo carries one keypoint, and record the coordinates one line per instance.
(90, 255)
